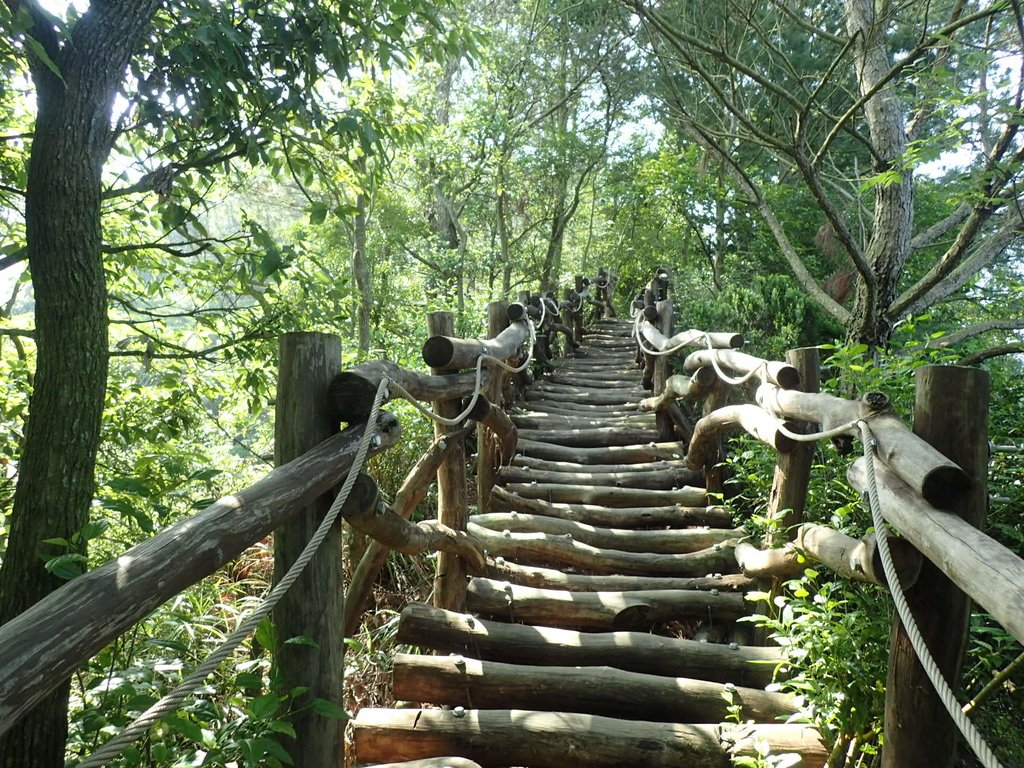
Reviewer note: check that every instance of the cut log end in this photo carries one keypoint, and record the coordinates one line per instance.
(944, 486)
(788, 377)
(438, 351)
(350, 397)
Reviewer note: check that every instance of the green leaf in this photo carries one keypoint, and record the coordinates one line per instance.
(37, 48)
(205, 474)
(265, 634)
(302, 640)
(248, 680)
(262, 707)
(327, 708)
(317, 213)
(186, 728)
(282, 726)
(67, 566)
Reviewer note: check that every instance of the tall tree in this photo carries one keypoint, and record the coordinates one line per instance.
(204, 83)
(851, 98)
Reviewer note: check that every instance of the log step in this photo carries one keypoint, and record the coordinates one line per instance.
(610, 397)
(627, 540)
(618, 454)
(447, 631)
(673, 516)
(665, 465)
(468, 682)
(549, 578)
(638, 610)
(560, 739)
(542, 548)
(663, 480)
(609, 496)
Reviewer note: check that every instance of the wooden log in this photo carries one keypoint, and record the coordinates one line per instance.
(951, 414)
(597, 610)
(613, 517)
(430, 762)
(756, 421)
(569, 467)
(714, 470)
(584, 397)
(452, 502)
(570, 408)
(788, 495)
(610, 497)
(450, 353)
(622, 393)
(971, 559)
(500, 569)
(623, 539)
(544, 549)
(392, 530)
(560, 739)
(492, 449)
(41, 647)
(782, 375)
(409, 495)
(315, 606)
(921, 466)
(678, 387)
(666, 427)
(604, 690)
(851, 558)
(351, 392)
(550, 421)
(666, 479)
(608, 454)
(593, 437)
(498, 423)
(446, 631)
(657, 338)
(625, 380)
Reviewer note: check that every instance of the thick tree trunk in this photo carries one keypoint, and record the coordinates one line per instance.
(62, 218)
(889, 245)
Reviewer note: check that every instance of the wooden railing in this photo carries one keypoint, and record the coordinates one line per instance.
(931, 489)
(43, 646)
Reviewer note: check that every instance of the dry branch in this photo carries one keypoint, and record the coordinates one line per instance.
(756, 421)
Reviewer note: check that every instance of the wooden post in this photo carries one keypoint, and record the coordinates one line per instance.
(452, 508)
(497, 321)
(793, 469)
(951, 413)
(314, 606)
(661, 369)
(714, 480)
(577, 315)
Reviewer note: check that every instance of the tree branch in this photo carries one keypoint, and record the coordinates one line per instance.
(977, 329)
(987, 354)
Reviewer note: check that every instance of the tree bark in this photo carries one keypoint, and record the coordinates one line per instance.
(889, 245)
(361, 269)
(71, 143)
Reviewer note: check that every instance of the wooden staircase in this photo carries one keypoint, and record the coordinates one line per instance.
(604, 555)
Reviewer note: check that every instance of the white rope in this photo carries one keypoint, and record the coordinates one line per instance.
(478, 385)
(942, 688)
(169, 703)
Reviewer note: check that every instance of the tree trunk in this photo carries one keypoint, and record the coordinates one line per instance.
(72, 140)
(889, 245)
(361, 270)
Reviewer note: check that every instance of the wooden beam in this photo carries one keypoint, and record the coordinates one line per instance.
(452, 504)
(500, 569)
(44, 645)
(782, 375)
(665, 479)
(351, 392)
(314, 607)
(493, 447)
(623, 539)
(449, 353)
(635, 610)
(614, 517)
(557, 740)
(754, 420)
(468, 682)
(618, 454)
(925, 469)
(951, 414)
